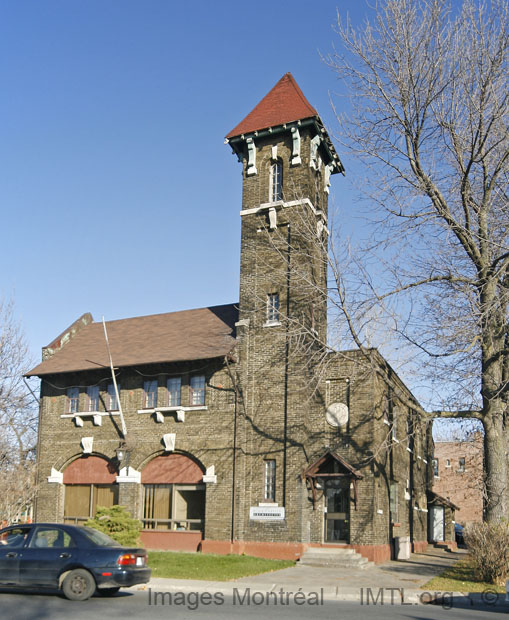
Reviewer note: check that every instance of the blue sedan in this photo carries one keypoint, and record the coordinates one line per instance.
(77, 559)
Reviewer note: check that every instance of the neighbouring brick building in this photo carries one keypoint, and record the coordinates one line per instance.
(458, 476)
(242, 433)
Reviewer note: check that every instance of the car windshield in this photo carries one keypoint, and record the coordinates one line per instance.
(98, 538)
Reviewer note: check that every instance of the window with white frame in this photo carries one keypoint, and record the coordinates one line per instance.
(73, 400)
(273, 308)
(112, 397)
(150, 394)
(174, 386)
(197, 390)
(461, 464)
(276, 181)
(448, 462)
(93, 397)
(270, 480)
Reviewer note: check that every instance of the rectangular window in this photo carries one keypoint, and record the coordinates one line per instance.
(150, 388)
(434, 463)
(270, 480)
(197, 386)
(112, 397)
(93, 397)
(273, 308)
(461, 464)
(73, 400)
(174, 507)
(394, 502)
(81, 500)
(174, 390)
(448, 463)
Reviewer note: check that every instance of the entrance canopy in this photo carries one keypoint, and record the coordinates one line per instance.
(331, 466)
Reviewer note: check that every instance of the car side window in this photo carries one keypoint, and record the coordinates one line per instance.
(14, 537)
(51, 537)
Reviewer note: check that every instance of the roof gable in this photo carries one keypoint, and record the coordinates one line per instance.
(285, 103)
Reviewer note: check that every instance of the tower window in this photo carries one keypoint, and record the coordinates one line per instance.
(273, 308)
(276, 182)
(270, 480)
(113, 396)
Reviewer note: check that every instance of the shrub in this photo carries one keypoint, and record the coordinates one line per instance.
(117, 523)
(488, 544)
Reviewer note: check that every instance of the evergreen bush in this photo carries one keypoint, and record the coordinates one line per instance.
(117, 523)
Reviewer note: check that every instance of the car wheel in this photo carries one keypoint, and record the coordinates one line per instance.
(79, 585)
(108, 591)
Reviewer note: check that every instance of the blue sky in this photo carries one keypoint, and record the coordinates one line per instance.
(118, 195)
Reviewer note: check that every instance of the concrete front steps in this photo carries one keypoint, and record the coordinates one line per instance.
(328, 557)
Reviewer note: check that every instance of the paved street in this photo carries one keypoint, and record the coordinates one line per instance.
(135, 604)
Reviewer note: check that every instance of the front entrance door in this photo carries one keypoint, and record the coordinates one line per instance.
(437, 523)
(337, 516)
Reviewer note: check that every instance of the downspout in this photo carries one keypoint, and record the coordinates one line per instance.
(287, 356)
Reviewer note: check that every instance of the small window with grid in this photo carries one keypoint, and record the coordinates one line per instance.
(150, 389)
(174, 386)
(73, 400)
(273, 308)
(270, 480)
(197, 390)
(93, 397)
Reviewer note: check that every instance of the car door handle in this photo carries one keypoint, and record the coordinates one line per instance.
(65, 555)
(12, 554)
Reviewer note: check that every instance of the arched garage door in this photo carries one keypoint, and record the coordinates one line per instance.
(89, 482)
(173, 494)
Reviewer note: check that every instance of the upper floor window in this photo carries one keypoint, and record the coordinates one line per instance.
(270, 480)
(93, 398)
(461, 464)
(448, 462)
(197, 386)
(272, 308)
(73, 398)
(150, 389)
(112, 397)
(174, 389)
(276, 181)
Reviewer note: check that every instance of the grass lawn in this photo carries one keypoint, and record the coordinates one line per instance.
(459, 578)
(209, 566)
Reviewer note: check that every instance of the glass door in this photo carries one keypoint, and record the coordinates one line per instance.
(337, 516)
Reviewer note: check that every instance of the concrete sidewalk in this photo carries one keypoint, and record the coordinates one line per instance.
(400, 580)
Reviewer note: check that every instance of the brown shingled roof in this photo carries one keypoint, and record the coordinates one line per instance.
(203, 333)
(285, 103)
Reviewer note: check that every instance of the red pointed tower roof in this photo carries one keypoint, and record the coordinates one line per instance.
(285, 103)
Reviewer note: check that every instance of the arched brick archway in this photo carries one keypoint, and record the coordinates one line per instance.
(89, 482)
(172, 468)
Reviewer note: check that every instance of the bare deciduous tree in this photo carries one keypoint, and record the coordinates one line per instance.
(18, 420)
(428, 119)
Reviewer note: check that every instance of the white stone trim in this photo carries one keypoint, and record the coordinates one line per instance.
(209, 477)
(296, 160)
(251, 157)
(129, 474)
(175, 408)
(87, 444)
(281, 204)
(169, 442)
(56, 476)
(89, 414)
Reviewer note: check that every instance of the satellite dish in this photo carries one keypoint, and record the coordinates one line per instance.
(337, 414)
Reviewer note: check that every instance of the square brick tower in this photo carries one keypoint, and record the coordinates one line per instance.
(287, 160)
